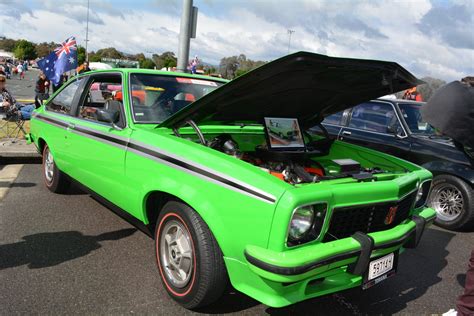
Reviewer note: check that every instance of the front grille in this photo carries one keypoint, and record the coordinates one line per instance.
(345, 221)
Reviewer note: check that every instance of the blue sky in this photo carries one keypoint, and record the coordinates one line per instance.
(430, 38)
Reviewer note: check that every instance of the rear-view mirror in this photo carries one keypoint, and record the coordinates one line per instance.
(108, 116)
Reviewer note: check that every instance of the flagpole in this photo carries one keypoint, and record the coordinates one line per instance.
(87, 30)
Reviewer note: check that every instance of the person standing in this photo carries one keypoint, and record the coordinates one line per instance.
(41, 89)
(83, 68)
(20, 71)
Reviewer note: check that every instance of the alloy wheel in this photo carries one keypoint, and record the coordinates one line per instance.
(448, 202)
(176, 253)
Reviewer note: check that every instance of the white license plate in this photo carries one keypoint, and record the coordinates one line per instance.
(380, 266)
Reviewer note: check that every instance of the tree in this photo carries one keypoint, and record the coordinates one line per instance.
(110, 52)
(146, 63)
(234, 66)
(7, 44)
(43, 49)
(427, 89)
(25, 50)
(93, 57)
(228, 66)
(81, 55)
(166, 59)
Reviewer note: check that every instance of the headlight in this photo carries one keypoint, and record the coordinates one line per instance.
(301, 221)
(306, 223)
(422, 194)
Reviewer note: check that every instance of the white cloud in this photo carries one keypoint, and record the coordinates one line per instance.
(387, 30)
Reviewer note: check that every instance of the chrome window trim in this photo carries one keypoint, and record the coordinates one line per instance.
(405, 134)
(90, 76)
(132, 110)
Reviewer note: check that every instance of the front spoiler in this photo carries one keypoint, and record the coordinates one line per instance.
(355, 252)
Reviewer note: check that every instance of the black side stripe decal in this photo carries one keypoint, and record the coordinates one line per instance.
(161, 156)
(198, 170)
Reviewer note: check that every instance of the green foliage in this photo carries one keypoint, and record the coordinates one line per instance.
(43, 49)
(81, 55)
(241, 72)
(93, 57)
(7, 44)
(234, 66)
(110, 52)
(427, 89)
(147, 63)
(25, 50)
(167, 59)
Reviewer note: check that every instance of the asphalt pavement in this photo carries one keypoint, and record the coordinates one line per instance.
(68, 254)
(24, 89)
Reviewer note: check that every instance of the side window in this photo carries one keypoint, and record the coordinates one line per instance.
(63, 101)
(103, 101)
(334, 119)
(374, 117)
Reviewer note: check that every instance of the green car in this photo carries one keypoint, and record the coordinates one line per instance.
(187, 160)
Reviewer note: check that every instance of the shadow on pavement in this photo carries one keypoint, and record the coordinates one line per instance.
(232, 302)
(74, 189)
(5, 184)
(418, 270)
(50, 249)
(461, 278)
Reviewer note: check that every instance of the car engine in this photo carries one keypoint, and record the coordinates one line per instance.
(292, 167)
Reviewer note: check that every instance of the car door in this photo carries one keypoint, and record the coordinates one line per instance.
(335, 122)
(97, 144)
(58, 115)
(377, 125)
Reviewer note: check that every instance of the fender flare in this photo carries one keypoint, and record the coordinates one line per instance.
(462, 171)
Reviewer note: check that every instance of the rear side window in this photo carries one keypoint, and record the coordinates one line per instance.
(374, 117)
(334, 119)
(63, 101)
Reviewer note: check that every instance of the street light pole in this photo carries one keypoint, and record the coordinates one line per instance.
(186, 32)
(87, 31)
(289, 39)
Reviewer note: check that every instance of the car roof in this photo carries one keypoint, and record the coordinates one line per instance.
(398, 101)
(154, 72)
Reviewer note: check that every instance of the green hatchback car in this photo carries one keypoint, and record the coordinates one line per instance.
(187, 159)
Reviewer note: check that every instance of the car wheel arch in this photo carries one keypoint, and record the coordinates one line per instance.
(41, 144)
(154, 202)
(460, 171)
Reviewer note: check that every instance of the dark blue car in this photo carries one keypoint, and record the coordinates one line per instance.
(396, 127)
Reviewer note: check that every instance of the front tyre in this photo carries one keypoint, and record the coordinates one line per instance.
(453, 201)
(190, 262)
(55, 180)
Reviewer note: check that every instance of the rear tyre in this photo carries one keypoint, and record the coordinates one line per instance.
(56, 181)
(453, 201)
(190, 262)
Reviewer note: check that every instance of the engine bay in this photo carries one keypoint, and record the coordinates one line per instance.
(297, 167)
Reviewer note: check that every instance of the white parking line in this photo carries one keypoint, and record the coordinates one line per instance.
(8, 174)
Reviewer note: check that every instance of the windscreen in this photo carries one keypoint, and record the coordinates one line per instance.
(157, 97)
(412, 115)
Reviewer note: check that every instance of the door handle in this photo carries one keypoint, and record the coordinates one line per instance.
(347, 133)
(71, 126)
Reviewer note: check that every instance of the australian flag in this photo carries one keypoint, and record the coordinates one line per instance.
(62, 59)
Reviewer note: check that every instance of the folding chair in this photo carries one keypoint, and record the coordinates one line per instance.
(10, 126)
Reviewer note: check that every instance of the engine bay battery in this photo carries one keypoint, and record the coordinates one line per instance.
(347, 165)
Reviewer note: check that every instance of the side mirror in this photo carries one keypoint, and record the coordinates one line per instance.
(107, 116)
(395, 130)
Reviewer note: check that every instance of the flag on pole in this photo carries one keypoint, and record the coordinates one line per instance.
(62, 59)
